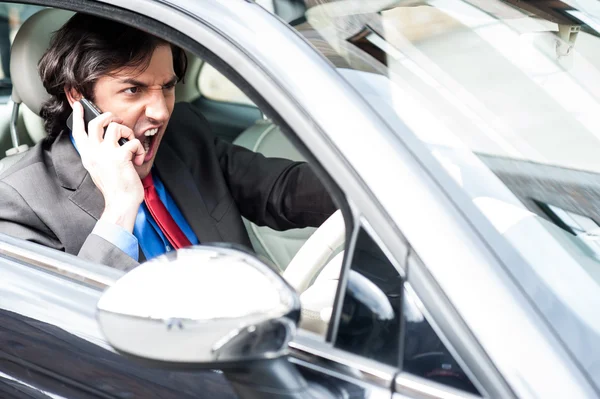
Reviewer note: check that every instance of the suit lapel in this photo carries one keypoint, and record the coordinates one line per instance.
(89, 198)
(170, 168)
(181, 185)
(73, 177)
(67, 162)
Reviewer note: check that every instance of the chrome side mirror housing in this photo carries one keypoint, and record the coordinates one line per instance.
(203, 306)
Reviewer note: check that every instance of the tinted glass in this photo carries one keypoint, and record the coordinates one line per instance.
(378, 313)
(370, 319)
(424, 354)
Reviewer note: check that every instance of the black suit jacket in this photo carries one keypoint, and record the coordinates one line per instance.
(49, 198)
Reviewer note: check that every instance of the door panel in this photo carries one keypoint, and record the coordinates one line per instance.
(11, 388)
(343, 373)
(342, 387)
(49, 340)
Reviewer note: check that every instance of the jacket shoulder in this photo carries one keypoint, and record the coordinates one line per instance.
(13, 167)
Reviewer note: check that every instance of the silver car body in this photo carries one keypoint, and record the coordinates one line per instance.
(394, 185)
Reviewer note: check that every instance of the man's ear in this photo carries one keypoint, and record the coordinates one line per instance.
(72, 96)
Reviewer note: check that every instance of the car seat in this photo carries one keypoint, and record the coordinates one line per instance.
(279, 246)
(30, 43)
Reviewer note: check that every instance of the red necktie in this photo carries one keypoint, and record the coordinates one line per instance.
(161, 215)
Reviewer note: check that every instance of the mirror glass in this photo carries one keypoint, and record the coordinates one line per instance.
(201, 304)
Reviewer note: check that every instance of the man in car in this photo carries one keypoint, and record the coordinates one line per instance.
(172, 184)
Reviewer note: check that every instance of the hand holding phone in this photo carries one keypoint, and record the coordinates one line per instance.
(111, 168)
(90, 111)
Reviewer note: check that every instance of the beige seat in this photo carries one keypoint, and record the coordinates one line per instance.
(279, 246)
(31, 41)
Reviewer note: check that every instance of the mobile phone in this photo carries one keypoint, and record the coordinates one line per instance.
(90, 111)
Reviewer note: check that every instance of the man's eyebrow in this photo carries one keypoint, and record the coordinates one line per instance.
(134, 82)
(172, 81)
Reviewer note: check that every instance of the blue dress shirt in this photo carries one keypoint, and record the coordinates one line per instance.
(145, 231)
(151, 238)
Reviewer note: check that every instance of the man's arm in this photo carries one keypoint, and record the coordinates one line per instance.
(99, 250)
(275, 192)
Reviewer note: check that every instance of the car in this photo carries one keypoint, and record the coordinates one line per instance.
(459, 139)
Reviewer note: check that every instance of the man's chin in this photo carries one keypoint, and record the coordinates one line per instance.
(144, 169)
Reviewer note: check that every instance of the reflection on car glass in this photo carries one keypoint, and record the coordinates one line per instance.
(424, 353)
(73, 367)
(583, 227)
(372, 44)
(370, 320)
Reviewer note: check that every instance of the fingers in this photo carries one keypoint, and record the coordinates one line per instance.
(136, 149)
(133, 150)
(128, 134)
(115, 131)
(96, 126)
(105, 129)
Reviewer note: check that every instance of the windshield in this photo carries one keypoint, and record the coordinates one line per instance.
(506, 95)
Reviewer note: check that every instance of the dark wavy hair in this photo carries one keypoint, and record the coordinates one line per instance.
(85, 49)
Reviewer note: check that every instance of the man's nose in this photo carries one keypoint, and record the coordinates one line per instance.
(156, 108)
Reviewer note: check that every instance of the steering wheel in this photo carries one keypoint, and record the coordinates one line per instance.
(310, 260)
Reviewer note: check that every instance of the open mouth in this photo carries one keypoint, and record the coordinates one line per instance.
(149, 136)
(148, 142)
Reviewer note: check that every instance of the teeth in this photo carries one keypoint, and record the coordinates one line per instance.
(146, 144)
(151, 132)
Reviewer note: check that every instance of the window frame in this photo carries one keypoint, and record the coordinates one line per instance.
(349, 248)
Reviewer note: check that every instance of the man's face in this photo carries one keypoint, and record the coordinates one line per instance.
(143, 100)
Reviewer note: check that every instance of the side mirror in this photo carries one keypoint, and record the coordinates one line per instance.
(202, 306)
(210, 307)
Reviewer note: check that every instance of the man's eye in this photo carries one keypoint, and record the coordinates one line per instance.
(132, 90)
(170, 86)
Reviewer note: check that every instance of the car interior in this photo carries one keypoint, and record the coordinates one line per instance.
(238, 121)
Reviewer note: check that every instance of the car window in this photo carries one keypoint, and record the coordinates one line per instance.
(214, 86)
(382, 319)
(424, 353)
(370, 319)
(12, 16)
(271, 137)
